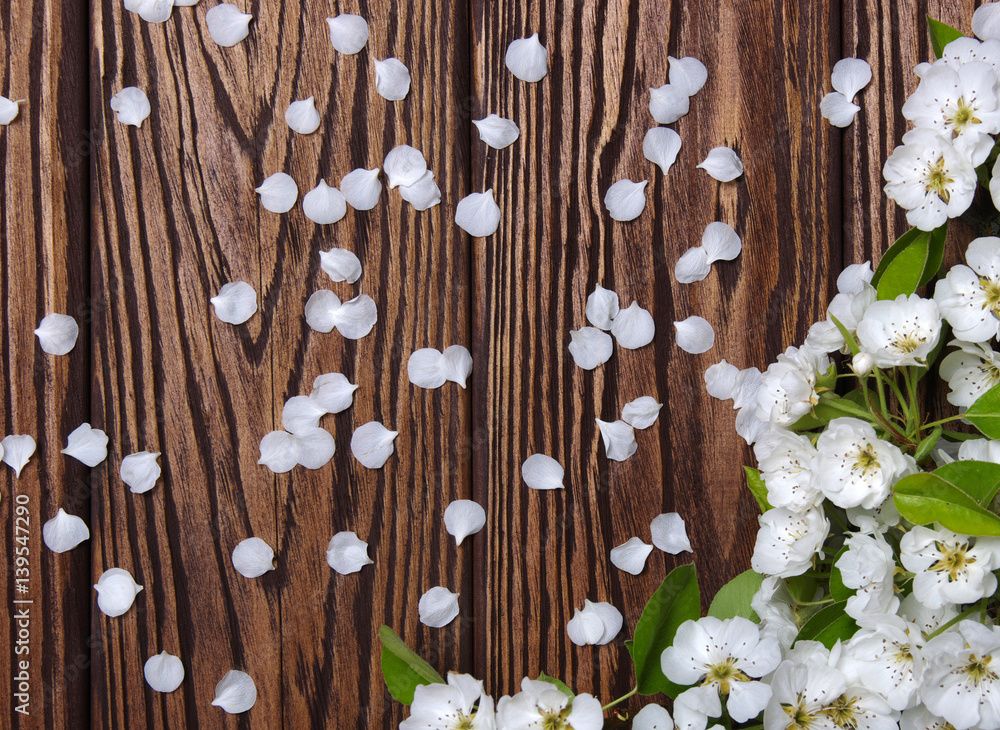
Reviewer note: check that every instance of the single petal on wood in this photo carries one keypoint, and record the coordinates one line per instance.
(404, 165)
(324, 205)
(302, 117)
(836, 108)
(633, 327)
(131, 106)
(668, 103)
(392, 79)
(361, 188)
(64, 532)
(590, 347)
(527, 59)
(87, 445)
(163, 672)
(340, 264)
(625, 200)
(496, 131)
(116, 591)
(278, 192)
(227, 24)
(631, 555)
(253, 557)
(723, 164)
(422, 194)
(602, 307)
(669, 533)
(347, 553)
(348, 33)
(721, 243)
(542, 472)
(16, 450)
(478, 214)
(619, 439)
(660, 146)
(694, 335)
(57, 334)
(372, 444)
(688, 75)
(140, 471)
(462, 518)
(851, 75)
(642, 412)
(235, 693)
(235, 303)
(438, 607)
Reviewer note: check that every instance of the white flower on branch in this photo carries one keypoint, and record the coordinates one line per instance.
(969, 296)
(950, 568)
(854, 467)
(900, 332)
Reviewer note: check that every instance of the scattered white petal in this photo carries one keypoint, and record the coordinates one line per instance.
(660, 146)
(692, 266)
(633, 327)
(87, 445)
(642, 412)
(185, 3)
(631, 555)
(602, 307)
(496, 131)
(478, 214)
(253, 557)
(688, 75)
(340, 264)
(163, 672)
(321, 310)
(361, 188)
(404, 165)
(140, 471)
(392, 79)
(722, 164)
(836, 108)
(8, 110)
(302, 117)
(585, 628)
(116, 591)
(347, 553)
(590, 347)
(353, 319)
(372, 444)
(542, 472)
(152, 11)
(695, 335)
(625, 200)
(462, 518)
(721, 243)
(527, 59)
(720, 380)
(227, 24)
(64, 532)
(667, 104)
(424, 370)
(314, 447)
(348, 33)
(279, 192)
(235, 303)
(236, 692)
(324, 205)
(669, 533)
(619, 439)
(131, 106)
(16, 451)
(851, 75)
(57, 333)
(456, 361)
(652, 717)
(422, 194)
(438, 607)
(333, 392)
(277, 452)
(610, 616)
(301, 413)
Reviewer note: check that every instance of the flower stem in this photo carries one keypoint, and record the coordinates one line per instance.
(620, 699)
(944, 627)
(943, 421)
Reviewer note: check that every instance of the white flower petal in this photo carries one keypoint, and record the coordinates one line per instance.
(333, 392)
(462, 518)
(227, 24)
(356, 317)
(669, 533)
(301, 413)
(527, 59)
(116, 591)
(16, 450)
(625, 200)
(478, 214)
(253, 557)
(321, 310)
(610, 616)
(235, 693)
(722, 164)
(633, 327)
(57, 333)
(152, 11)
(340, 264)
(585, 628)
(392, 79)
(87, 445)
(688, 75)
(619, 439)
(372, 444)
(278, 192)
(361, 188)
(348, 33)
(668, 103)
(850, 75)
(692, 266)
(496, 131)
(64, 532)
(185, 3)
(277, 452)
(438, 607)
(8, 110)
(590, 347)
(347, 553)
(720, 380)
(140, 471)
(131, 106)
(302, 117)
(721, 242)
(324, 205)
(404, 165)
(652, 717)
(660, 146)
(422, 194)
(838, 109)
(542, 472)
(235, 303)
(986, 21)
(695, 335)
(424, 368)
(163, 672)
(314, 447)
(642, 412)
(602, 307)
(631, 555)
(456, 362)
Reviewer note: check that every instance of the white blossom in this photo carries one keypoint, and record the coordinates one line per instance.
(969, 296)
(962, 677)
(785, 462)
(900, 332)
(787, 541)
(541, 705)
(788, 386)
(461, 704)
(950, 568)
(970, 371)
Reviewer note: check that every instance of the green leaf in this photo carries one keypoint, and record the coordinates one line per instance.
(941, 35)
(757, 487)
(925, 447)
(979, 479)
(733, 599)
(560, 685)
(828, 625)
(984, 414)
(912, 261)
(838, 590)
(402, 669)
(852, 344)
(924, 498)
(676, 600)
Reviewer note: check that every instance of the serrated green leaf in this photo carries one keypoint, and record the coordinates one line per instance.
(912, 261)
(941, 35)
(733, 599)
(560, 685)
(924, 498)
(984, 414)
(402, 668)
(757, 488)
(828, 625)
(676, 600)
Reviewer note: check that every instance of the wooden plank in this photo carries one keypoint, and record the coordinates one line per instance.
(44, 249)
(582, 129)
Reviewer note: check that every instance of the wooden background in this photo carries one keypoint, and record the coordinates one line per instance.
(132, 230)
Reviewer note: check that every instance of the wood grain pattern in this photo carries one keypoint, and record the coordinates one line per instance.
(132, 230)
